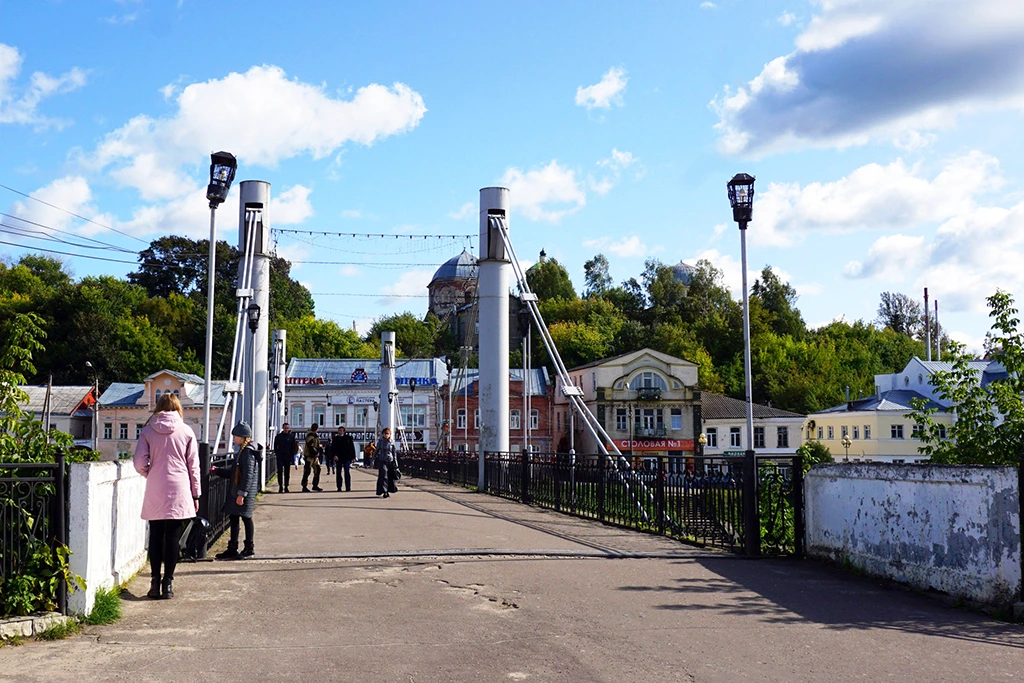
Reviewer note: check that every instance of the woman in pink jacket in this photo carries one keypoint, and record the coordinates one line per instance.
(167, 455)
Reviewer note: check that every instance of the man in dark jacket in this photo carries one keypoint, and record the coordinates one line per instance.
(285, 446)
(343, 453)
(311, 453)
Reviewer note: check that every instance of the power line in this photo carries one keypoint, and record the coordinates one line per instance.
(113, 247)
(372, 235)
(371, 264)
(64, 253)
(28, 233)
(71, 213)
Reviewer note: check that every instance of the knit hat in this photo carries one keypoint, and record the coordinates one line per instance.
(243, 430)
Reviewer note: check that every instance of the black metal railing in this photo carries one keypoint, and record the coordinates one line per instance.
(33, 513)
(698, 500)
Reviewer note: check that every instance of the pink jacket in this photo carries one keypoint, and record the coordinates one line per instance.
(167, 455)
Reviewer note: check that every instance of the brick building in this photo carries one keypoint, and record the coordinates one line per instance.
(462, 405)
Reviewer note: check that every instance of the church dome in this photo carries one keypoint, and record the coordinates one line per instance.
(683, 272)
(457, 267)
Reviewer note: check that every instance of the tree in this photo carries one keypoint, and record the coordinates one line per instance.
(778, 299)
(596, 276)
(813, 453)
(665, 293)
(900, 312)
(309, 337)
(548, 279)
(628, 298)
(989, 419)
(414, 338)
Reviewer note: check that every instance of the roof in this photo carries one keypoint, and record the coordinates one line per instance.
(538, 386)
(461, 266)
(183, 376)
(716, 407)
(990, 370)
(683, 272)
(128, 394)
(657, 354)
(342, 371)
(63, 400)
(898, 399)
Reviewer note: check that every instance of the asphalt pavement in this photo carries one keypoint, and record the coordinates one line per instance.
(438, 583)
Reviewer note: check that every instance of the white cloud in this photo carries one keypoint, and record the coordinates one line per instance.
(786, 19)
(353, 213)
(71, 193)
(626, 247)
(873, 197)
(291, 206)
(873, 69)
(294, 254)
(349, 271)
(409, 283)
(891, 257)
(19, 104)
(732, 271)
(605, 93)
(707, 5)
(615, 165)
(463, 212)
(618, 160)
(545, 194)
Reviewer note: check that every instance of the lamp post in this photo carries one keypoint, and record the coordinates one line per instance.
(846, 444)
(702, 441)
(222, 173)
(741, 197)
(253, 315)
(95, 406)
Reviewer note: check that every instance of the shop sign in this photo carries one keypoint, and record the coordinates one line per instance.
(305, 380)
(358, 376)
(655, 445)
(420, 381)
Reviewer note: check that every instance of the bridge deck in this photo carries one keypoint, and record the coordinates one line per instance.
(441, 584)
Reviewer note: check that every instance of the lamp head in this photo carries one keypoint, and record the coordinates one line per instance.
(222, 173)
(741, 197)
(702, 439)
(254, 316)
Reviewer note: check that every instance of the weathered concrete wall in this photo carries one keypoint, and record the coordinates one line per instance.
(952, 529)
(106, 536)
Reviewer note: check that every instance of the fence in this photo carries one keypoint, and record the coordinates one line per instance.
(698, 500)
(33, 512)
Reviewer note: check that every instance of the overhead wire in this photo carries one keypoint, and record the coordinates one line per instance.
(71, 213)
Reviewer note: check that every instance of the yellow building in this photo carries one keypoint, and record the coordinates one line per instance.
(878, 426)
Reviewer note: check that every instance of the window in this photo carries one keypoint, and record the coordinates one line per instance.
(916, 432)
(299, 417)
(621, 423)
(460, 418)
(734, 437)
(122, 432)
(821, 433)
(340, 417)
(648, 418)
(558, 420)
(844, 431)
(156, 396)
(462, 448)
(898, 461)
(676, 415)
(514, 420)
(831, 433)
(108, 430)
(942, 431)
(782, 437)
(362, 416)
(758, 437)
(648, 380)
(867, 431)
(896, 431)
(138, 431)
(712, 436)
(476, 418)
(856, 432)
(534, 419)
(318, 415)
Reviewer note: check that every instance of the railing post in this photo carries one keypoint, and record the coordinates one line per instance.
(556, 472)
(60, 525)
(601, 485)
(449, 467)
(524, 483)
(204, 480)
(751, 515)
(659, 497)
(798, 507)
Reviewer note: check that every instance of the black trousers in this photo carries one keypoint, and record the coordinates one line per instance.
(233, 527)
(284, 473)
(347, 467)
(163, 547)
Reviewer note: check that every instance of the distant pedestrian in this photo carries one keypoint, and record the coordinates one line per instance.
(343, 453)
(285, 449)
(167, 455)
(244, 475)
(368, 454)
(384, 458)
(311, 453)
(327, 460)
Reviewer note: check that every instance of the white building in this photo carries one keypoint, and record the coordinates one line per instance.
(724, 425)
(343, 392)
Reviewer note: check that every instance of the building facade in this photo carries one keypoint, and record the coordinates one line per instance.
(724, 425)
(345, 392)
(124, 409)
(71, 409)
(647, 401)
(528, 424)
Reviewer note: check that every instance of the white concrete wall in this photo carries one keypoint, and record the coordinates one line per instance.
(106, 535)
(951, 529)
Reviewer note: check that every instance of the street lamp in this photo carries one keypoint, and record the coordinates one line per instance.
(741, 197)
(253, 315)
(95, 406)
(846, 444)
(702, 440)
(222, 173)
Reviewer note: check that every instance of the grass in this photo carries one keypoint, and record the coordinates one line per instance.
(107, 608)
(60, 631)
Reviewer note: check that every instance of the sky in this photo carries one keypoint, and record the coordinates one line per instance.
(884, 135)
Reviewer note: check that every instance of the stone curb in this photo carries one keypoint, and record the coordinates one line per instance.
(27, 627)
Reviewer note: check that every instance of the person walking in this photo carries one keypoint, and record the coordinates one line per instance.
(343, 453)
(384, 457)
(311, 453)
(327, 460)
(244, 475)
(167, 456)
(285, 448)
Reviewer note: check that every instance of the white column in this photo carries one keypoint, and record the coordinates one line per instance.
(388, 392)
(279, 371)
(494, 270)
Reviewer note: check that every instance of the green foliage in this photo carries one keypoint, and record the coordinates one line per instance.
(596, 275)
(310, 337)
(61, 630)
(33, 588)
(990, 419)
(107, 608)
(415, 338)
(813, 453)
(548, 279)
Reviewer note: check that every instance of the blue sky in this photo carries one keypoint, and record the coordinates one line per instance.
(884, 136)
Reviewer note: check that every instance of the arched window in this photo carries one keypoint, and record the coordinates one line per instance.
(648, 380)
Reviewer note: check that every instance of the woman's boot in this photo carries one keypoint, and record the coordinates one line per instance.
(168, 592)
(230, 554)
(248, 551)
(154, 587)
